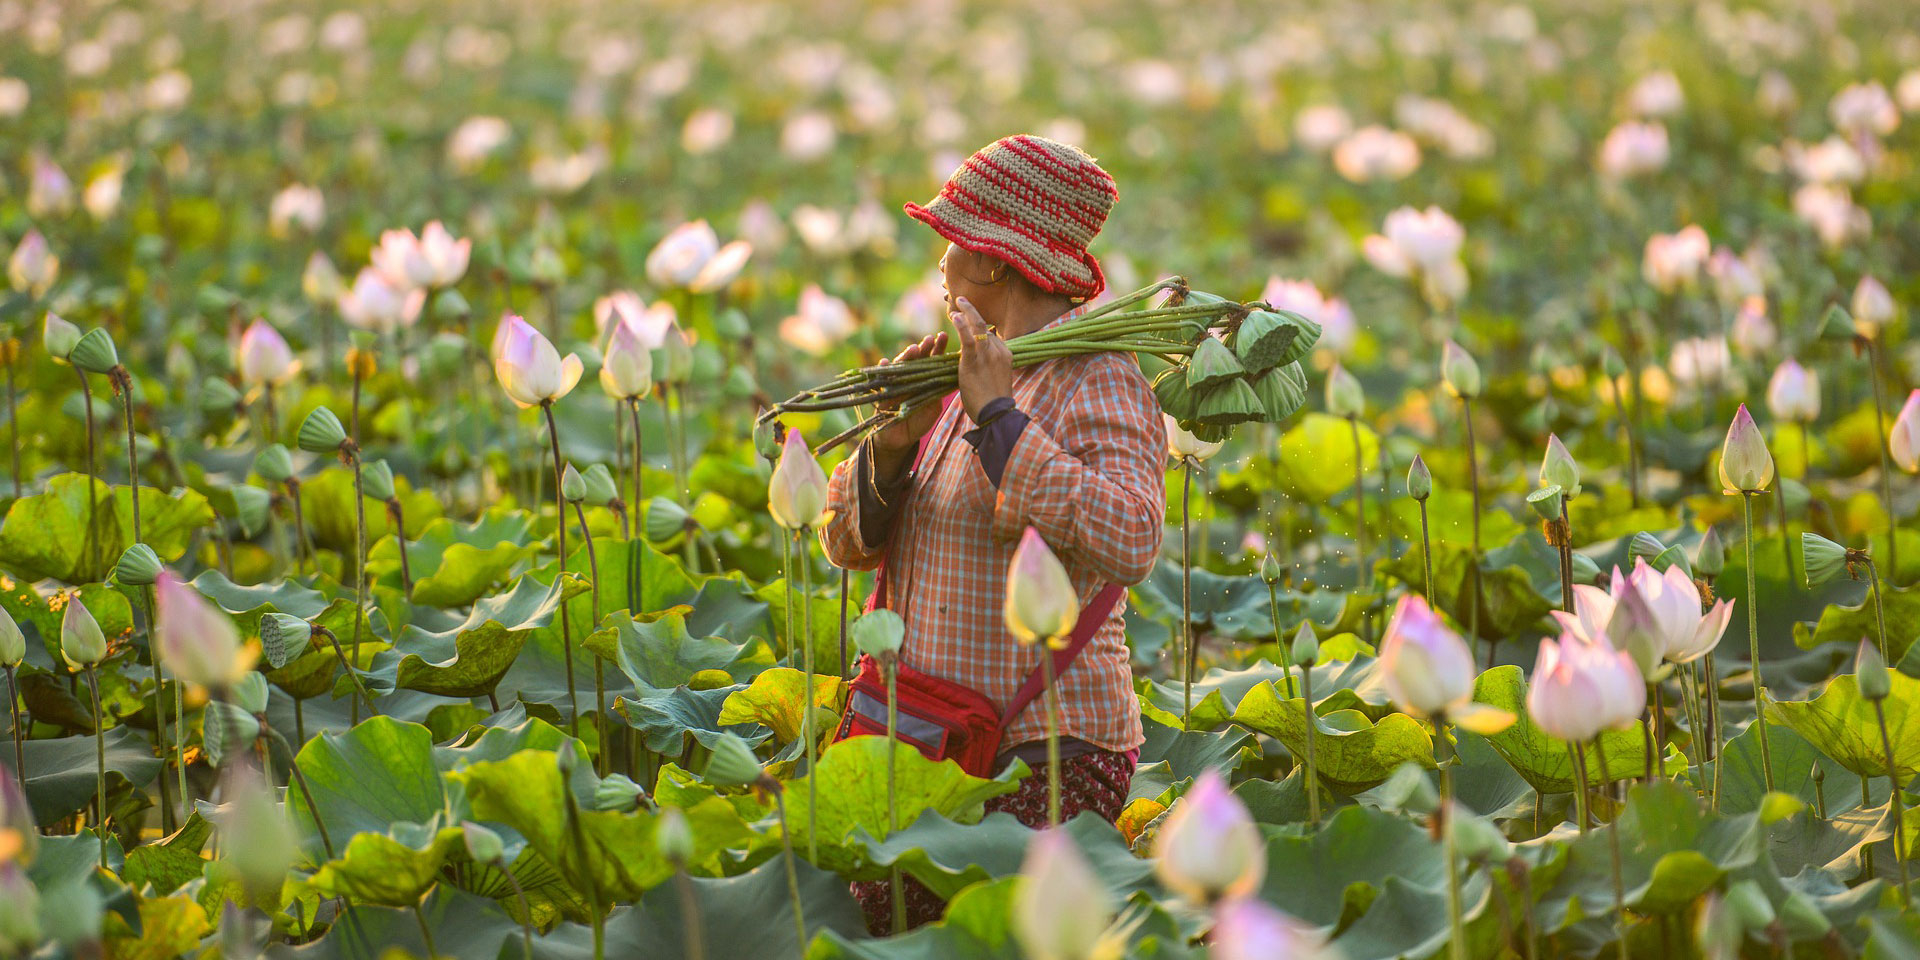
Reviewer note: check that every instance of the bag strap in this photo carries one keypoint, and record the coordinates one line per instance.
(1092, 617)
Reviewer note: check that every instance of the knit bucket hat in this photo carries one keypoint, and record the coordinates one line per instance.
(1032, 202)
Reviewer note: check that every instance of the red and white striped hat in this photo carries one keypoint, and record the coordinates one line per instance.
(1033, 202)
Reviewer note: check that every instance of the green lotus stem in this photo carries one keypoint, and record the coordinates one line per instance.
(12, 349)
(676, 410)
(159, 713)
(806, 691)
(1187, 656)
(845, 576)
(1053, 735)
(560, 505)
(599, 669)
(302, 550)
(86, 395)
(890, 665)
(1456, 925)
(1893, 780)
(1786, 535)
(1886, 467)
(1879, 612)
(1806, 453)
(1613, 843)
(299, 781)
(1626, 427)
(123, 382)
(1426, 553)
(526, 909)
(399, 516)
(1566, 558)
(18, 730)
(637, 600)
(1359, 506)
(359, 552)
(1866, 852)
(793, 873)
(580, 850)
(1719, 739)
(694, 939)
(358, 684)
(1819, 791)
(1753, 643)
(1690, 702)
(1655, 708)
(1473, 560)
(1279, 641)
(100, 764)
(1313, 773)
(1578, 754)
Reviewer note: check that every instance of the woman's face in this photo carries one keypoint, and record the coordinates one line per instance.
(979, 278)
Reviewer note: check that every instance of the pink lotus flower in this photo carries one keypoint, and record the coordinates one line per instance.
(296, 206)
(1832, 161)
(1903, 444)
(476, 139)
(807, 136)
(1375, 153)
(1061, 909)
(1864, 109)
(33, 268)
(49, 189)
(1829, 209)
(797, 496)
(1427, 668)
(706, 130)
(678, 259)
(528, 367)
(626, 370)
(1793, 393)
(197, 641)
(1657, 617)
(102, 194)
(1246, 928)
(1337, 329)
(820, 324)
(1041, 602)
(1209, 848)
(375, 303)
(1672, 261)
(1581, 687)
(1656, 94)
(1634, 149)
(1319, 127)
(1872, 306)
(445, 258)
(1734, 279)
(263, 355)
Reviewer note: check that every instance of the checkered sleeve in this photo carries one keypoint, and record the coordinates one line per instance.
(1088, 476)
(840, 535)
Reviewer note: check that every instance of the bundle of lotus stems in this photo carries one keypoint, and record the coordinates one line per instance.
(1228, 362)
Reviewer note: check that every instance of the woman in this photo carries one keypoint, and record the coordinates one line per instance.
(1073, 447)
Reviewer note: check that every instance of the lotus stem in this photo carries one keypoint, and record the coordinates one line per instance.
(1879, 612)
(526, 909)
(299, 781)
(1866, 851)
(159, 713)
(358, 684)
(1187, 656)
(1577, 752)
(1626, 428)
(1899, 822)
(1713, 720)
(677, 421)
(1313, 773)
(793, 873)
(1426, 553)
(580, 848)
(100, 764)
(890, 665)
(1806, 453)
(599, 667)
(1613, 843)
(359, 551)
(399, 516)
(1753, 643)
(693, 938)
(1053, 735)
(1886, 466)
(1656, 707)
(1359, 506)
(1473, 560)
(302, 550)
(1786, 535)
(1456, 927)
(12, 349)
(1565, 535)
(560, 506)
(426, 932)
(123, 382)
(19, 730)
(86, 395)
(806, 691)
(1690, 702)
(637, 601)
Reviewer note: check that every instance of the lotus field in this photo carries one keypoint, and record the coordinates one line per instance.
(418, 419)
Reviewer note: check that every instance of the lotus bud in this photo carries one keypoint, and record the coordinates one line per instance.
(879, 632)
(137, 567)
(673, 360)
(1870, 672)
(1477, 838)
(82, 644)
(483, 845)
(376, 479)
(1745, 464)
(673, 837)
(573, 486)
(1182, 444)
(566, 757)
(797, 496)
(1750, 905)
(1903, 443)
(263, 355)
(1461, 374)
(1427, 668)
(1305, 649)
(1272, 570)
(1212, 364)
(617, 793)
(274, 464)
(1837, 325)
(665, 519)
(320, 281)
(1793, 393)
(256, 838)
(1344, 396)
(1041, 602)
(1824, 560)
(283, 637)
(1546, 501)
(1612, 365)
(20, 932)
(1419, 480)
(321, 432)
(1801, 919)
(1209, 847)
(94, 352)
(1558, 467)
(601, 488)
(1872, 306)
(1717, 932)
(249, 693)
(197, 641)
(766, 440)
(218, 396)
(13, 648)
(1248, 929)
(59, 336)
(1644, 546)
(1061, 908)
(1710, 555)
(530, 369)
(33, 268)
(627, 368)
(732, 763)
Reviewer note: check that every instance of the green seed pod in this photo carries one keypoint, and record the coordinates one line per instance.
(1305, 650)
(137, 567)
(1584, 569)
(1170, 388)
(449, 305)
(250, 693)
(1546, 501)
(573, 486)
(1268, 339)
(601, 488)
(616, 794)
(95, 353)
(1282, 391)
(732, 324)
(665, 519)
(1751, 906)
(740, 384)
(1344, 396)
(1672, 557)
(483, 845)
(1837, 325)
(321, 432)
(1644, 546)
(274, 464)
(673, 837)
(878, 632)
(1478, 839)
(1870, 672)
(251, 507)
(218, 396)
(227, 732)
(1207, 432)
(1212, 364)
(732, 763)
(1419, 480)
(58, 336)
(766, 440)
(709, 679)
(1710, 555)
(1823, 559)
(1228, 403)
(1612, 365)
(376, 479)
(283, 637)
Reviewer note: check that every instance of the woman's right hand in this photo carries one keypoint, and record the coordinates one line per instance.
(897, 441)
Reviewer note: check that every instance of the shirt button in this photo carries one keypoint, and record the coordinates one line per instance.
(943, 608)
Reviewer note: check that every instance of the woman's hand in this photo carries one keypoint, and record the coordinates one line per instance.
(986, 362)
(894, 444)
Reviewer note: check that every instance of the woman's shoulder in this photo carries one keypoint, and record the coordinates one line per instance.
(1107, 377)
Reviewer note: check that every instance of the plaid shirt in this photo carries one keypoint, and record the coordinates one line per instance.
(1088, 473)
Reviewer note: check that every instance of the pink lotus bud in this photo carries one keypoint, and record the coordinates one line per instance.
(1656, 94)
(445, 258)
(1872, 306)
(474, 140)
(1426, 667)
(1864, 109)
(1903, 443)
(1734, 279)
(1319, 128)
(265, 357)
(49, 189)
(1374, 153)
(528, 367)
(722, 268)
(401, 260)
(33, 268)
(1061, 909)
(296, 206)
(678, 258)
(1745, 464)
(1581, 687)
(1209, 847)
(627, 368)
(1793, 393)
(197, 641)
(797, 497)
(1633, 149)
(1386, 256)
(1458, 370)
(321, 280)
(1429, 238)
(820, 324)
(1673, 261)
(375, 302)
(1041, 601)
(1246, 928)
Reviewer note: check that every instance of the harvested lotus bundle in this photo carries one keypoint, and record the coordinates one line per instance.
(1230, 362)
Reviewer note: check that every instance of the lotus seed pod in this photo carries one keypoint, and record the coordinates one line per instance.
(732, 324)
(879, 631)
(274, 464)
(1558, 467)
(82, 644)
(483, 845)
(449, 305)
(1837, 325)
(665, 519)
(1231, 402)
(376, 478)
(1644, 545)
(249, 693)
(1268, 339)
(1823, 559)
(95, 353)
(1672, 556)
(1344, 395)
(1305, 649)
(283, 637)
(227, 731)
(251, 506)
(616, 794)
(1710, 555)
(601, 488)
(137, 567)
(1584, 569)
(1419, 480)
(1479, 839)
(709, 679)
(13, 643)
(732, 763)
(673, 837)
(218, 396)
(573, 486)
(1170, 388)
(58, 336)
(1546, 502)
(321, 432)
(1460, 373)
(1750, 905)
(1282, 391)
(1870, 672)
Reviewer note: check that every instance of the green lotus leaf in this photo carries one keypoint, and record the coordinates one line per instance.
(1334, 874)
(169, 863)
(311, 673)
(1844, 624)
(456, 564)
(949, 857)
(826, 626)
(1350, 751)
(1842, 724)
(448, 656)
(659, 654)
(1173, 756)
(61, 774)
(666, 718)
(1547, 763)
(47, 535)
(391, 869)
(773, 700)
(168, 927)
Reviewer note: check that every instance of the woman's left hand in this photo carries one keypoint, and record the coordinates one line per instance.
(986, 362)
